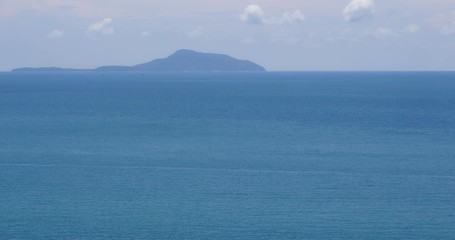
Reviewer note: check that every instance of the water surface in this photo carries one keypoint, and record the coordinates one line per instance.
(227, 156)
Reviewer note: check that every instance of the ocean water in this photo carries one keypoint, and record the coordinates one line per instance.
(227, 156)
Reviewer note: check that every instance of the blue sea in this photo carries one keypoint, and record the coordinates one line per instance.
(280, 155)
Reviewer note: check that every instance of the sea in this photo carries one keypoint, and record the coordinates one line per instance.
(276, 155)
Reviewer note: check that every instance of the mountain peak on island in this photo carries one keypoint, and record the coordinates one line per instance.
(183, 60)
(184, 51)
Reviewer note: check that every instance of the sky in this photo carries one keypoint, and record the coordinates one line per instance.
(281, 35)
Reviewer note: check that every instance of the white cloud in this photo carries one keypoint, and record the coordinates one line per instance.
(292, 17)
(383, 33)
(412, 28)
(253, 14)
(102, 27)
(357, 10)
(145, 33)
(196, 33)
(56, 33)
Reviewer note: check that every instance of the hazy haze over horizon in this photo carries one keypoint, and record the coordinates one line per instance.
(279, 35)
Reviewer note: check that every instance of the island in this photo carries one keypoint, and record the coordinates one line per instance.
(183, 60)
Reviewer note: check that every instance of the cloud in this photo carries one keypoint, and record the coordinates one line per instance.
(145, 33)
(196, 33)
(102, 27)
(383, 33)
(56, 33)
(296, 16)
(357, 10)
(253, 14)
(292, 17)
(412, 28)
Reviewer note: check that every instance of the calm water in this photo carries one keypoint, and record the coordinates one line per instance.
(227, 156)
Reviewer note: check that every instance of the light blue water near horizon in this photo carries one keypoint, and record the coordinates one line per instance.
(366, 155)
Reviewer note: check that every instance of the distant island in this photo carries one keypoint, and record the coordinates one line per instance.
(181, 61)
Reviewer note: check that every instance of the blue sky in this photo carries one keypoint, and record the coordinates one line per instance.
(278, 34)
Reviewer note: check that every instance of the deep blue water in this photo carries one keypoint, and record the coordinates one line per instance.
(227, 156)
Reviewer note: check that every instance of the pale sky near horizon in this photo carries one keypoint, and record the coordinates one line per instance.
(300, 35)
